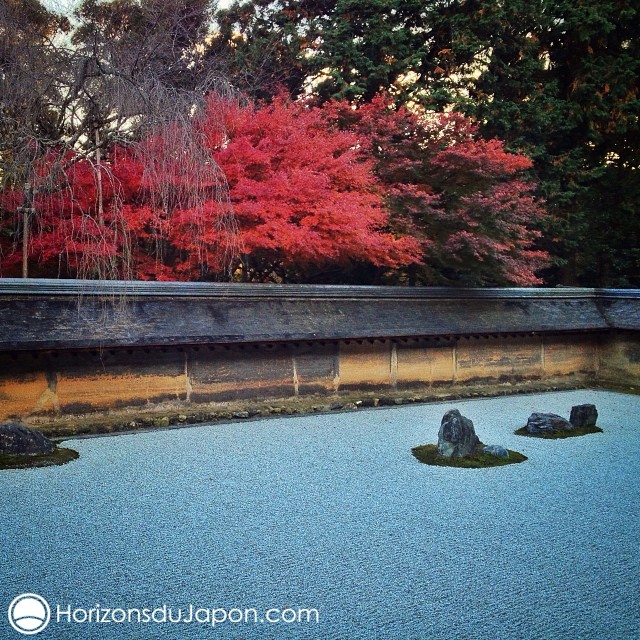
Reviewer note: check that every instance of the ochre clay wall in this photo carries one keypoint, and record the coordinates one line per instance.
(619, 359)
(72, 383)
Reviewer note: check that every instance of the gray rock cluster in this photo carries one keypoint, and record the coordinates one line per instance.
(456, 438)
(17, 439)
(583, 415)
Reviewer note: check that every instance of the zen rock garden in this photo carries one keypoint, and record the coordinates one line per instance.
(459, 446)
(582, 421)
(21, 447)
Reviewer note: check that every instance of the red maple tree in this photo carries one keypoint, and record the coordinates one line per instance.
(303, 195)
(300, 197)
(307, 188)
(466, 199)
(303, 198)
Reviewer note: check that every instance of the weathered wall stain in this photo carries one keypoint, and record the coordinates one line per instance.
(74, 383)
(618, 362)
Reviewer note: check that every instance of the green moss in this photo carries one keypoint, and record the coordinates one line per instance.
(428, 454)
(135, 418)
(558, 434)
(57, 457)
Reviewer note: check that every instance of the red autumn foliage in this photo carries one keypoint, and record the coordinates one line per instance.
(302, 193)
(302, 196)
(465, 198)
(66, 235)
(308, 188)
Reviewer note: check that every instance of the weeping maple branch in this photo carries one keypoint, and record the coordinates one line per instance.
(69, 94)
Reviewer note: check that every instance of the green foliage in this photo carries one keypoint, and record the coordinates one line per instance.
(559, 81)
(367, 47)
(263, 46)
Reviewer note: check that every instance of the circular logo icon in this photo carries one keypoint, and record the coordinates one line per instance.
(29, 614)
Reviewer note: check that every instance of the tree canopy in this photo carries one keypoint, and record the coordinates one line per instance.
(315, 194)
(72, 89)
(555, 80)
(466, 142)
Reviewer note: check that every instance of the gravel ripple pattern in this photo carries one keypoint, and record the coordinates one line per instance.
(333, 512)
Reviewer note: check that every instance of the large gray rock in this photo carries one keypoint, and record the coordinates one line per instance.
(583, 415)
(15, 438)
(496, 450)
(546, 423)
(457, 437)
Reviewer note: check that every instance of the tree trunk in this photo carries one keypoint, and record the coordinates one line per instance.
(26, 214)
(99, 180)
(25, 242)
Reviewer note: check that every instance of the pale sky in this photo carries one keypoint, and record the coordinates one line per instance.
(64, 6)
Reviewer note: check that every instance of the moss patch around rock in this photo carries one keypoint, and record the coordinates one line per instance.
(558, 434)
(57, 457)
(428, 454)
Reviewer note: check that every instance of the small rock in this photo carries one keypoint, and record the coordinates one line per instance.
(457, 437)
(336, 406)
(583, 415)
(546, 423)
(370, 402)
(15, 438)
(321, 408)
(241, 414)
(496, 450)
(182, 418)
(161, 422)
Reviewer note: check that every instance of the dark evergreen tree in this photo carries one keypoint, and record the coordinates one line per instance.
(264, 46)
(559, 81)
